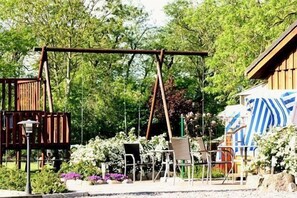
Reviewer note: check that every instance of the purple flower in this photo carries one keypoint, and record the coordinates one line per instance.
(94, 178)
(115, 176)
(71, 175)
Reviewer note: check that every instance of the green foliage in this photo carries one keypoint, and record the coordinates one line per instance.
(281, 144)
(12, 179)
(84, 168)
(233, 32)
(88, 83)
(105, 93)
(47, 182)
(44, 181)
(215, 173)
(111, 150)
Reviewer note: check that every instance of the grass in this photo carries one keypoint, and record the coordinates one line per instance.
(33, 165)
(216, 173)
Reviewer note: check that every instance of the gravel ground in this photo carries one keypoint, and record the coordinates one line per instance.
(210, 194)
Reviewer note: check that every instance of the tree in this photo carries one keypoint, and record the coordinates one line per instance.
(105, 93)
(234, 32)
(14, 46)
(177, 104)
(89, 85)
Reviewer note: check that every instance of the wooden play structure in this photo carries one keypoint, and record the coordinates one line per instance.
(31, 98)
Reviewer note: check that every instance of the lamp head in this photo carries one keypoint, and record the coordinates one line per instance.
(28, 125)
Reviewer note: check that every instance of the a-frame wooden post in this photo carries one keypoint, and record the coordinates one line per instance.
(44, 64)
(46, 90)
(159, 81)
(152, 108)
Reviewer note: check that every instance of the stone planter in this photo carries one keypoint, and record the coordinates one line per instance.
(127, 181)
(113, 182)
(86, 183)
(101, 182)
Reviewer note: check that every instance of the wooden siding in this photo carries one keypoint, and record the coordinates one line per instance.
(258, 68)
(20, 94)
(28, 96)
(285, 73)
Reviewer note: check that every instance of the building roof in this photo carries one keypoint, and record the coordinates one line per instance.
(252, 90)
(258, 68)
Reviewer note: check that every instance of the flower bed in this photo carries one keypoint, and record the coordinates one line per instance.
(111, 151)
(71, 176)
(110, 178)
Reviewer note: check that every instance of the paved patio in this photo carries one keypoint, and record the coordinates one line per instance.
(149, 186)
(80, 188)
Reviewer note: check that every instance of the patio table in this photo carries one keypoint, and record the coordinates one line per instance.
(165, 162)
(243, 161)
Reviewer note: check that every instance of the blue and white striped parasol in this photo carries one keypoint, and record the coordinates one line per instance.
(269, 109)
(235, 116)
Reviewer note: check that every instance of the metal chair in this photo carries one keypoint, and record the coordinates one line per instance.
(182, 156)
(133, 157)
(207, 159)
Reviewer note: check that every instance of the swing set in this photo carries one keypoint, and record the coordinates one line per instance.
(31, 98)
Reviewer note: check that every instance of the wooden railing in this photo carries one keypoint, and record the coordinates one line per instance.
(53, 132)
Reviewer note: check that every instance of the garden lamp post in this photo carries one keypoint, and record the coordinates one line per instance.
(28, 128)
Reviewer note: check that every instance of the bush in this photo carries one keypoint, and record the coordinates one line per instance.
(111, 150)
(84, 168)
(281, 144)
(46, 182)
(12, 179)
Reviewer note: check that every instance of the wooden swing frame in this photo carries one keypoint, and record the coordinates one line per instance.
(160, 54)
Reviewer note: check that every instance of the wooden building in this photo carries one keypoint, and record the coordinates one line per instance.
(278, 64)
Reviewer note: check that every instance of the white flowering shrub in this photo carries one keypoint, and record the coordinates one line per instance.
(280, 144)
(111, 150)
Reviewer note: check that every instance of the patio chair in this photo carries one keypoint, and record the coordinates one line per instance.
(207, 159)
(182, 156)
(133, 157)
